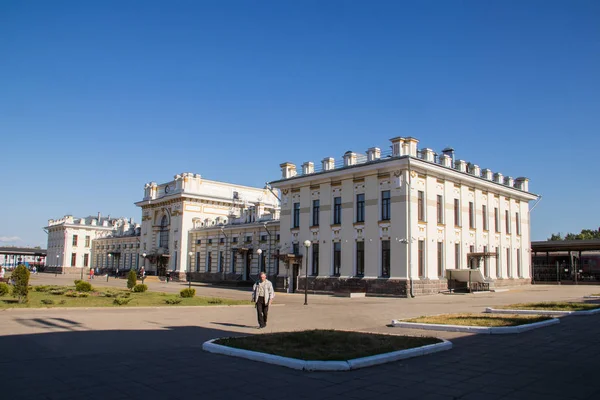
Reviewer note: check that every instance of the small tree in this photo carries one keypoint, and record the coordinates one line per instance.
(20, 277)
(131, 279)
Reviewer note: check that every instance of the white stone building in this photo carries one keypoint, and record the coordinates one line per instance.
(120, 250)
(393, 223)
(238, 250)
(171, 210)
(70, 240)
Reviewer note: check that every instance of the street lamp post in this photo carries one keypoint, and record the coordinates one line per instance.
(306, 245)
(110, 262)
(56, 268)
(144, 267)
(259, 252)
(190, 254)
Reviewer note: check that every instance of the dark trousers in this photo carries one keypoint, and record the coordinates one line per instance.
(262, 310)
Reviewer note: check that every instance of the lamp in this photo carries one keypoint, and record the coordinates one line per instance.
(190, 254)
(307, 245)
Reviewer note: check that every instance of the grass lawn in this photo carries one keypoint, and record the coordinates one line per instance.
(61, 296)
(326, 345)
(552, 306)
(487, 320)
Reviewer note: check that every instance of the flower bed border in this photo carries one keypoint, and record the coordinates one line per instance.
(494, 330)
(347, 365)
(491, 310)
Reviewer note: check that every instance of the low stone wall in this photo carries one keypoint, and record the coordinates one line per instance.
(423, 287)
(67, 270)
(369, 286)
(510, 282)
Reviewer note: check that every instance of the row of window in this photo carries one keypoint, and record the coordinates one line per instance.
(337, 210)
(235, 239)
(87, 241)
(472, 219)
(86, 259)
(118, 246)
(208, 263)
(115, 262)
(421, 206)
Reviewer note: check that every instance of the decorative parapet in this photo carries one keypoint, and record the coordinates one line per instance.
(428, 154)
(308, 168)
(487, 174)
(288, 170)
(498, 178)
(461, 165)
(522, 183)
(328, 163)
(446, 160)
(349, 158)
(373, 153)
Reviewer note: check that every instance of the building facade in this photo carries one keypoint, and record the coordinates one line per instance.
(118, 251)
(238, 250)
(171, 210)
(393, 223)
(70, 240)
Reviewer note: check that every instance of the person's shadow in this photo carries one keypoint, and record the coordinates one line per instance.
(233, 325)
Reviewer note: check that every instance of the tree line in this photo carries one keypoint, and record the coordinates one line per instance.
(585, 234)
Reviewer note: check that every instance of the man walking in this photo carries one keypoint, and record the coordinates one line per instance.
(263, 295)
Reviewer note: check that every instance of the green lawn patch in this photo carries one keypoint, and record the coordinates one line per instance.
(552, 306)
(326, 345)
(486, 320)
(67, 296)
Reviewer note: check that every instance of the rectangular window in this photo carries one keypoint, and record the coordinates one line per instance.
(222, 240)
(337, 258)
(421, 258)
(486, 263)
(73, 259)
(440, 209)
(360, 258)
(507, 218)
(295, 248)
(385, 205)
(315, 215)
(519, 263)
(457, 255)
(248, 239)
(235, 240)
(74, 240)
(421, 205)
(263, 238)
(197, 261)
(385, 258)
(485, 217)
(86, 260)
(233, 259)
(296, 222)
(209, 241)
(472, 261)
(315, 259)
(220, 266)
(496, 219)
(208, 262)
(508, 273)
(337, 210)
(471, 215)
(360, 207)
(518, 222)
(456, 212)
(440, 258)
(87, 241)
(277, 262)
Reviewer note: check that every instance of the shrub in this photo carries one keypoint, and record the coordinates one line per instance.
(140, 288)
(57, 292)
(76, 281)
(215, 300)
(131, 279)
(41, 288)
(173, 301)
(20, 277)
(4, 289)
(83, 286)
(123, 295)
(71, 293)
(83, 294)
(47, 301)
(120, 301)
(190, 292)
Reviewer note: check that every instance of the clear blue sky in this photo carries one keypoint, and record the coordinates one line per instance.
(99, 97)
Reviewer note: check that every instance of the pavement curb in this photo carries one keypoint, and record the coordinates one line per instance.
(541, 312)
(128, 308)
(348, 365)
(476, 329)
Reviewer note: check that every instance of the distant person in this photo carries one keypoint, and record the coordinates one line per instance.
(262, 296)
(34, 269)
(2, 272)
(91, 273)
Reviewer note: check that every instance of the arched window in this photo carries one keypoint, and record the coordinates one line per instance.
(164, 233)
